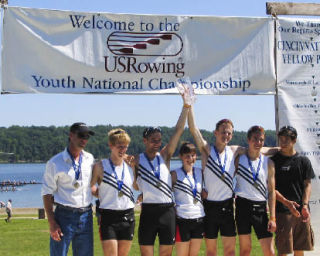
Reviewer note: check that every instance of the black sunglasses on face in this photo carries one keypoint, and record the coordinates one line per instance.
(83, 136)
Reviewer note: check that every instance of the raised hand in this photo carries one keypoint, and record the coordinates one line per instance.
(185, 88)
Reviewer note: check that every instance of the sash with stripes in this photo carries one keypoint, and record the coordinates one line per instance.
(215, 169)
(246, 174)
(109, 179)
(186, 189)
(149, 177)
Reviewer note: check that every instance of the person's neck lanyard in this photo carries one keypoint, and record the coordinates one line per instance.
(156, 171)
(222, 167)
(255, 173)
(76, 168)
(193, 187)
(119, 182)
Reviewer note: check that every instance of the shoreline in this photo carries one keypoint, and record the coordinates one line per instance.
(21, 211)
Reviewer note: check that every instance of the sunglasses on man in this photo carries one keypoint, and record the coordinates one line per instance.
(83, 135)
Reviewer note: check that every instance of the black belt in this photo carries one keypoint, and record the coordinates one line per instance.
(189, 220)
(151, 205)
(74, 209)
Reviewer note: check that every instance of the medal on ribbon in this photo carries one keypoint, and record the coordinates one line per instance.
(255, 173)
(76, 168)
(119, 181)
(155, 170)
(192, 186)
(222, 167)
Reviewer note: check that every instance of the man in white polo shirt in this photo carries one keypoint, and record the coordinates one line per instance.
(66, 184)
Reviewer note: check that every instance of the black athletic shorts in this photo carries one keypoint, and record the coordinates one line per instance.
(219, 217)
(251, 213)
(187, 229)
(117, 224)
(157, 219)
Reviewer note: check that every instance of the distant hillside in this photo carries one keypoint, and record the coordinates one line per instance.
(39, 143)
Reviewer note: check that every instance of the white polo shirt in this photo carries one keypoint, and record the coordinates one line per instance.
(59, 180)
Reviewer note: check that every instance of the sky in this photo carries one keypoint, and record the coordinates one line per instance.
(162, 110)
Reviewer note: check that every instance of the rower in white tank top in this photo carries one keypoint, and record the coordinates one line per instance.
(188, 201)
(252, 178)
(219, 174)
(110, 195)
(154, 180)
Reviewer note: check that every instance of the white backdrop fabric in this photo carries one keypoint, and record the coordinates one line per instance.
(48, 51)
(298, 62)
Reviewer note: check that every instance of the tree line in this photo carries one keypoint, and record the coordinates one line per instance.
(40, 143)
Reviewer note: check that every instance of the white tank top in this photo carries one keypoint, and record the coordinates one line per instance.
(155, 191)
(246, 187)
(108, 188)
(219, 187)
(186, 205)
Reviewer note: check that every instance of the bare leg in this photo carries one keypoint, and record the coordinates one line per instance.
(229, 245)
(146, 250)
(194, 248)
(182, 248)
(124, 247)
(211, 245)
(267, 246)
(165, 250)
(298, 253)
(245, 245)
(110, 247)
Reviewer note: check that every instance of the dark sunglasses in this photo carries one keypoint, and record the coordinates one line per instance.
(150, 130)
(83, 135)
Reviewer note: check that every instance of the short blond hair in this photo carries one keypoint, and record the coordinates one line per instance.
(118, 136)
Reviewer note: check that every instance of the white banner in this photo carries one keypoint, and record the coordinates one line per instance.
(298, 68)
(46, 51)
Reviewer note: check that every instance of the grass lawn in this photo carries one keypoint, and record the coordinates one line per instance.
(28, 236)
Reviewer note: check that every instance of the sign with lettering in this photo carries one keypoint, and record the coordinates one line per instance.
(298, 69)
(47, 51)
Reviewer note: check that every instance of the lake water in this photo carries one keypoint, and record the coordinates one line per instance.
(30, 195)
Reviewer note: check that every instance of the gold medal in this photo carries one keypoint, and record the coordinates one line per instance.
(195, 200)
(120, 194)
(158, 184)
(76, 185)
(223, 177)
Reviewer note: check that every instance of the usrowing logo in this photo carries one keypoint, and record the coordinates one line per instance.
(127, 49)
(145, 44)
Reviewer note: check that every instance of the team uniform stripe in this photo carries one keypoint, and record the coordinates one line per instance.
(214, 163)
(154, 185)
(124, 186)
(216, 167)
(212, 166)
(248, 173)
(182, 186)
(108, 179)
(151, 175)
(250, 181)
